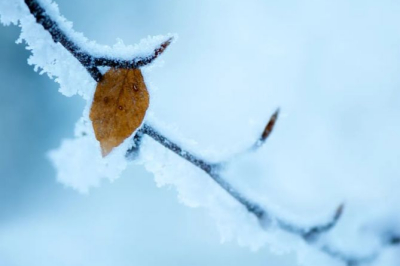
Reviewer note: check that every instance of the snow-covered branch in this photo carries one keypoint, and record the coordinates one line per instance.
(90, 62)
(311, 235)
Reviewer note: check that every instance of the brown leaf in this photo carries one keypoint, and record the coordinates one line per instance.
(119, 105)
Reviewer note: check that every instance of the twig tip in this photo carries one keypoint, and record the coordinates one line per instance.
(276, 113)
(270, 125)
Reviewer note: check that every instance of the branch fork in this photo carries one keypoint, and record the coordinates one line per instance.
(310, 234)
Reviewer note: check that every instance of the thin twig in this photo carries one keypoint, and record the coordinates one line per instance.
(208, 168)
(136, 62)
(309, 234)
(212, 169)
(90, 62)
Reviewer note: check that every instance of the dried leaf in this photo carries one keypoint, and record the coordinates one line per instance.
(119, 106)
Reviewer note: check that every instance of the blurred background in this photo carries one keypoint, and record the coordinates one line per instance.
(333, 67)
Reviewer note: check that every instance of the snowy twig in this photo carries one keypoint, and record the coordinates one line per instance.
(134, 63)
(90, 62)
(213, 169)
(309, 234)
